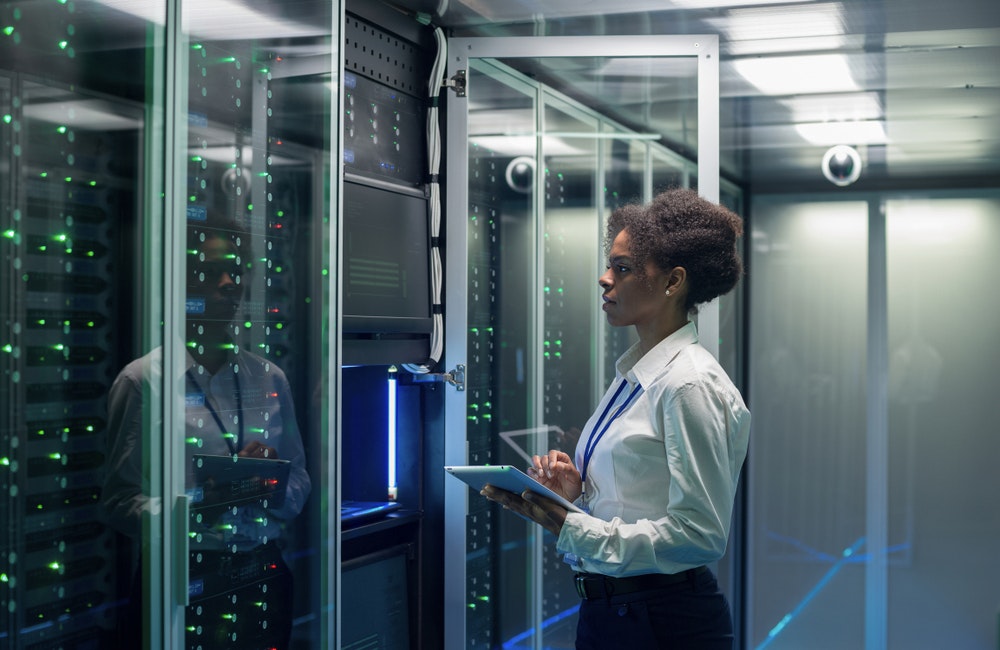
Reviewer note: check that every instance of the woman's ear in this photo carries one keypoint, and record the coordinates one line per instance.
(676, 281)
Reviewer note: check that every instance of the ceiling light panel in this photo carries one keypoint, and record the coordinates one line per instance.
(774, 23)
(798, 75)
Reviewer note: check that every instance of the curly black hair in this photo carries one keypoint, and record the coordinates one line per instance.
(680, 228)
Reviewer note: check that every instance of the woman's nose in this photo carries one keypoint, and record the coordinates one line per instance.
(605, 280)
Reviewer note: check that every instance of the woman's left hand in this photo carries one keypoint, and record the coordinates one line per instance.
(531, 505)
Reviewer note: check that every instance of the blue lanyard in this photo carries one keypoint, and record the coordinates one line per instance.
(592, 441)
(239, 413)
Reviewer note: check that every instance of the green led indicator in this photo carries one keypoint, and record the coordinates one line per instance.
(8, 30)
(248, 324)
(55, 566)
(63, 44)
(61, 129)
(8, 348)
(5, 461)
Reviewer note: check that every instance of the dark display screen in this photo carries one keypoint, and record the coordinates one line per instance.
(386, 268)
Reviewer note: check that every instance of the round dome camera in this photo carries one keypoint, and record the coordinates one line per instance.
(841, 165)
(520, 174)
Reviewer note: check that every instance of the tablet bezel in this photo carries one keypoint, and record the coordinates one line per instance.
(506, 477)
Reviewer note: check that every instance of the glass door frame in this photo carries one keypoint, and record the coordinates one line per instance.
(705, 48)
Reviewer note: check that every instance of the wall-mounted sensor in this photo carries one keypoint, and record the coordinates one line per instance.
(841, 165)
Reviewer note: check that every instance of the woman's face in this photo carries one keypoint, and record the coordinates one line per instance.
(215, 277)
(629, 299)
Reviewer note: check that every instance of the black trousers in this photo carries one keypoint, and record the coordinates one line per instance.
(689, 615)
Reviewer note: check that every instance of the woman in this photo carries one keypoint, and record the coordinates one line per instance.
(657, 466)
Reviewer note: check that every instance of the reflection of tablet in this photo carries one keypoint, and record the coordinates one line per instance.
(506, 477)
(234, 479)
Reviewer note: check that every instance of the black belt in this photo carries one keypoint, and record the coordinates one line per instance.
(593, 585)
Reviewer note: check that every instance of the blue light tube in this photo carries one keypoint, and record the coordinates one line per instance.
(391, 390)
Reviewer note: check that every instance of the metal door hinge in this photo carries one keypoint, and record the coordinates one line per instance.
(456, 377)
(456, 83)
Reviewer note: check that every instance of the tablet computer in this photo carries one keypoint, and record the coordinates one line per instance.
(506, 477)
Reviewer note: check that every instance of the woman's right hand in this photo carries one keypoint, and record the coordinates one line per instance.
(556, 471)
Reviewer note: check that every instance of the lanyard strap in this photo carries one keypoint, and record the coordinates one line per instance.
(218, 420)
(598, 432)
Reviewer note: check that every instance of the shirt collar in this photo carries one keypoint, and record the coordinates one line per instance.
(643, 370)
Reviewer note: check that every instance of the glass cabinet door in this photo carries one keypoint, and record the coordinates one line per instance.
(501, 239)
(571, 318)
(166, 435)
(75, 304)
(532, 178)
(253, 391)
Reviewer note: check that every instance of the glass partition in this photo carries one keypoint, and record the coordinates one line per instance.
(941, 477)
(807, 373)
(860, 480)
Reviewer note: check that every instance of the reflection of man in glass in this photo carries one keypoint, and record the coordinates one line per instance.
(238, 406)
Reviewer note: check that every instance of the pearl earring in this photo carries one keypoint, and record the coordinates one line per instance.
(667, 292)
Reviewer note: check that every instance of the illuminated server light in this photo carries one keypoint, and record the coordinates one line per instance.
(391, 385)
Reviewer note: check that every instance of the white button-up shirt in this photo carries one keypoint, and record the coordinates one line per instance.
(661, 482)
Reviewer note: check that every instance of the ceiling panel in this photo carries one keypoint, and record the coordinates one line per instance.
(923, 71)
